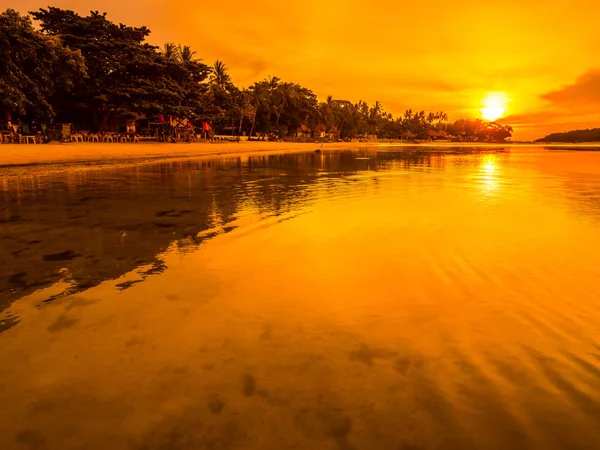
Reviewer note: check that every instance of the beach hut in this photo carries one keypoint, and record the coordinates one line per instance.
(303, 132)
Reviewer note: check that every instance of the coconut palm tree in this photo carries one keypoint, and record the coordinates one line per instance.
(259, 99)
(376, 110)
(275, 95)
(285, 94)
(219, 76)
(170, 51)
(244, 108)
(186, 54)
(273, 82)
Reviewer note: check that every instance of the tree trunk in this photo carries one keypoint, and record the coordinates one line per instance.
(278, 116)
(104, 119)
(95, 120)
(253, 124)
(100, 118)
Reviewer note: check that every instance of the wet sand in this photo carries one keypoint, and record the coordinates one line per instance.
(82, 153)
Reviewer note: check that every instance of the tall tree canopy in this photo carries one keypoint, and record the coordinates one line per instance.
(125, 73)
(33, 68)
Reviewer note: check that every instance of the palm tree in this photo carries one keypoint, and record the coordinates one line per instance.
(285, 94)
(273, 82)
(244, 108)
(186, 54)
(441, 118)
(376, 110)
(219, 75)
(274, 95)
(259, 98)
(170, 51)
(364, 108)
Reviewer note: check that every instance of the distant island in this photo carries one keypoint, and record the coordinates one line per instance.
(85, 77)
(589, 135)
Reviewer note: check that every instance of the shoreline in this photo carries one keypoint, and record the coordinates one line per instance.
(19, 155)
(20, 159)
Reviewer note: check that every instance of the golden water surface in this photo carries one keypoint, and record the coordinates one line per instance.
(392, 299)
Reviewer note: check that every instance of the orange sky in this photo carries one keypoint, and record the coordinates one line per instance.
(432, 55)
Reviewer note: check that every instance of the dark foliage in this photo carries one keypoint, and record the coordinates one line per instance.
(589, 135)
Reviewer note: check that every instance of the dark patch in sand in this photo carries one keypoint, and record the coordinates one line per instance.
(64, 256)
(185, 431)
(167, 213)
(249, 385)
(404, 364)
(323, 422)
(31, 439)
(340, 429)
(133, 342)
(216, 405)
(12, 219)
(17, 279)
(267, 333)
(62, 323)
(164, 225)
(180, 370)
(367, 355)
(43, 406)
(79, 302)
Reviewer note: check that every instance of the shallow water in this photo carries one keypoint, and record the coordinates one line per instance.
(413, 299)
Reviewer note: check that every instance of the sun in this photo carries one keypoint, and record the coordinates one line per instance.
(494, 106)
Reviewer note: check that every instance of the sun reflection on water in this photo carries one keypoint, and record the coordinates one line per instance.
(488, 174)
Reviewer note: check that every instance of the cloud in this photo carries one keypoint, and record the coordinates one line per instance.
(572, 106)
(583, 95)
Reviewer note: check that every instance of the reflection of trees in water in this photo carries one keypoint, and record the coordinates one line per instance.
(91, 226)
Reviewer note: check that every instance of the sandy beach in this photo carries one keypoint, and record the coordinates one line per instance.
(19, 155)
